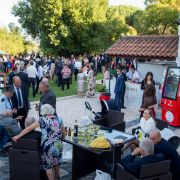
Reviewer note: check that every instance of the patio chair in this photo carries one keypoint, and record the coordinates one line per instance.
(24, 158)
(153, 171)
(160, 124)
(114, 120)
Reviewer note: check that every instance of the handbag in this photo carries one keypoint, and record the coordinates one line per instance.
(100, 175)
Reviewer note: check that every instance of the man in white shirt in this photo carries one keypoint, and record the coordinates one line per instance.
(136, 76)
(32, 73)
(39, 75)
(78, 66)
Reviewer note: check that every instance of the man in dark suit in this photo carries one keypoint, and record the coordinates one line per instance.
(125, 79)
(19, 100)
(119, 89)
(132, 163)
(24, 78)
(48, 96)
(11, 75)
(164, 147)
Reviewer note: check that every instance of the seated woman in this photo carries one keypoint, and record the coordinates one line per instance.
(52, 130)
(146, 125)
(149, 99)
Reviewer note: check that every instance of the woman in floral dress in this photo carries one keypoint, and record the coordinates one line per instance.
(52, 130)
(91, 81)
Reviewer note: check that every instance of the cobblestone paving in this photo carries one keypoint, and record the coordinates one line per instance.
(72, 108)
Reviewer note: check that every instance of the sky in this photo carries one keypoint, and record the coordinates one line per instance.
(6, 17)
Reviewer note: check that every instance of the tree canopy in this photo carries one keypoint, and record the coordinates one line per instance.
(12, 42)
(79, 26)
(160, 17)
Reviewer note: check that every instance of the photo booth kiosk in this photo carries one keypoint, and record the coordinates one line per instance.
(170, 101)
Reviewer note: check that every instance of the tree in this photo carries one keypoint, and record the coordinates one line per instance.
(77, 26)
(12, 41)
(158, 18)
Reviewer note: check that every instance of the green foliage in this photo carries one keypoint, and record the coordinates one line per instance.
(78, 26)
(11, 41)
(100, 88)
(91, 26)
(159, 18)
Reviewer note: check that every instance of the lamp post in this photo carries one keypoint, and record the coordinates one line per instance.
(178, 54)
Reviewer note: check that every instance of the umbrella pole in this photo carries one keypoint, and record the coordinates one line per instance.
(110, 76)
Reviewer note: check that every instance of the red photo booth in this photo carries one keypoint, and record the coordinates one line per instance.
(170, 101)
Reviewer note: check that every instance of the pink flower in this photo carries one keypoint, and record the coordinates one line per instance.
(54, 161)
(55, 124)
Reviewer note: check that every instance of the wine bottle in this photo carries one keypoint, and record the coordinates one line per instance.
(69, 132)
(75, 128)
(66, 131)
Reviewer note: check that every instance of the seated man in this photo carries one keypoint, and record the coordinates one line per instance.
(132, 163)
(6, 112)
(4, 138)
(164, 147)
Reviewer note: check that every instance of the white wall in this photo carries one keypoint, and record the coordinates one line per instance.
(156, 69)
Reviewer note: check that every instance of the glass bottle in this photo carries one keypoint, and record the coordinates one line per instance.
(75, 128)
(66, 131)
(69, 132)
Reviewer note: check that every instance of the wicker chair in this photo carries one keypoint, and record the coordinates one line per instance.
(153, 171)
(114, 120)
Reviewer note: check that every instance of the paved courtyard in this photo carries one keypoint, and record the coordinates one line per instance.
(71, 109)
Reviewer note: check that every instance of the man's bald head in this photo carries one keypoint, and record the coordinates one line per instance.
(155, 136)
(43, 86)
(16, 81)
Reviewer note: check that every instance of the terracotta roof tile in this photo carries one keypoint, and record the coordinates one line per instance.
(150, 46)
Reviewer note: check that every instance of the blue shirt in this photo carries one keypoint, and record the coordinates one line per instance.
(5, 104)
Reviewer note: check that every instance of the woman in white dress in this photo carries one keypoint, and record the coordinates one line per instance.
(80, 82)
(105, 76)
(52, 69)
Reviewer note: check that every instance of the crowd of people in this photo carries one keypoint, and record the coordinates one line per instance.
(33, 69)
(14, 103)
(26, 72)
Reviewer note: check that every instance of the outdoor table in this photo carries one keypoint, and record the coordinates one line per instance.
(86, 160)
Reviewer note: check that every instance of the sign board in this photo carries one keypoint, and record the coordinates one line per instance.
(133, 94)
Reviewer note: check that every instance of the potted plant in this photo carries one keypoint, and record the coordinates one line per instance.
(101, 88)
(104, 95)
